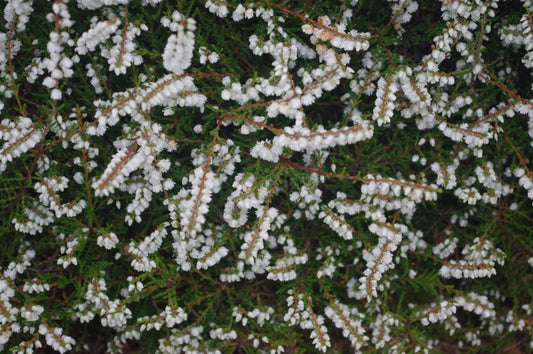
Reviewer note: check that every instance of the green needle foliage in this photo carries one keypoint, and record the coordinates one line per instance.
(268, 176)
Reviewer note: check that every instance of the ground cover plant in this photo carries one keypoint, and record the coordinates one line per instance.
(267, 176)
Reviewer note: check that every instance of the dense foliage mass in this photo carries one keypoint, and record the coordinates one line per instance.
(268, 176)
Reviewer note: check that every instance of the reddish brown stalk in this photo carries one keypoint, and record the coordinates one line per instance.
(333, 303)
(493, 114)
(20, 140)
(385, 99)
(314, 319)
(355, 178)
(206, 168)
(339, 219)
(117, 167)
(520, 158)
(493, 80)
(255, 238)
(281, 131)
(124, 34)
(11, 70)
(374, 268)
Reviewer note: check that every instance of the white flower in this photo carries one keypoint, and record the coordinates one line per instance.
(107, 240)
(178, 52)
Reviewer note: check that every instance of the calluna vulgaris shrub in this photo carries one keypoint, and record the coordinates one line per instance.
(267, 176)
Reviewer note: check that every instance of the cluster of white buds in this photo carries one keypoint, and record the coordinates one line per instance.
(92, 73)
(122, 54)
(31, 313)
(69, 246)
(382, 327)
(18, 11)
(239, 93)
(17, 267)
(223, 334)
(254, 239)
(149, 245)
(256, 341)
(495, 188)
(247, 195)
(183, 341)
(123, 163)
(385, 98)
(479, 304)
(349, 320)
(337, 223)
(58, 64)
(207, 56)
(96, 4)
(380, 258)
(56, 339)
(319, 334)
(107, 240)
(480, 260)
(217, 7)
(300, 313)
(135, 287)
(525, 180)
(113, 313)
(232, 274)
(520, 34)
(210, 254)
(37, 216)
(446, 248)
(353, 207)
(48, 189)
(307, 198)
(445, 174)
(259, 315)
(99, 32)
(468, 195)
(35, 286)
(327, 257)
(336, 34)
(178, 52)
(240, 315)
(437, 312)
(143, 196)
(302, 139)
(168, 91)
(8, 313)
(16, 15)
(284, 268)
(417, 192)
(474, 137)
(170, 317)
(297, 312)
(515, 322)
(241, 12)
(191, 205)
(402, 11)
(20, 135)
(416, 92)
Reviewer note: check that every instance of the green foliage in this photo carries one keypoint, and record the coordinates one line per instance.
(206, 215)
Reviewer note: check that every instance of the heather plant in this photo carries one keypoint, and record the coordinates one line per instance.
(267, 176)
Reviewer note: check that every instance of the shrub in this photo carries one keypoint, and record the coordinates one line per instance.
(266, 176)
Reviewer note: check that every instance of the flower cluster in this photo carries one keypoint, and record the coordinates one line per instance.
(19, 135)
(149, 245)
(301, 313)
(194, 176)
(479, 260)
(179, 49)
(349, 320)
